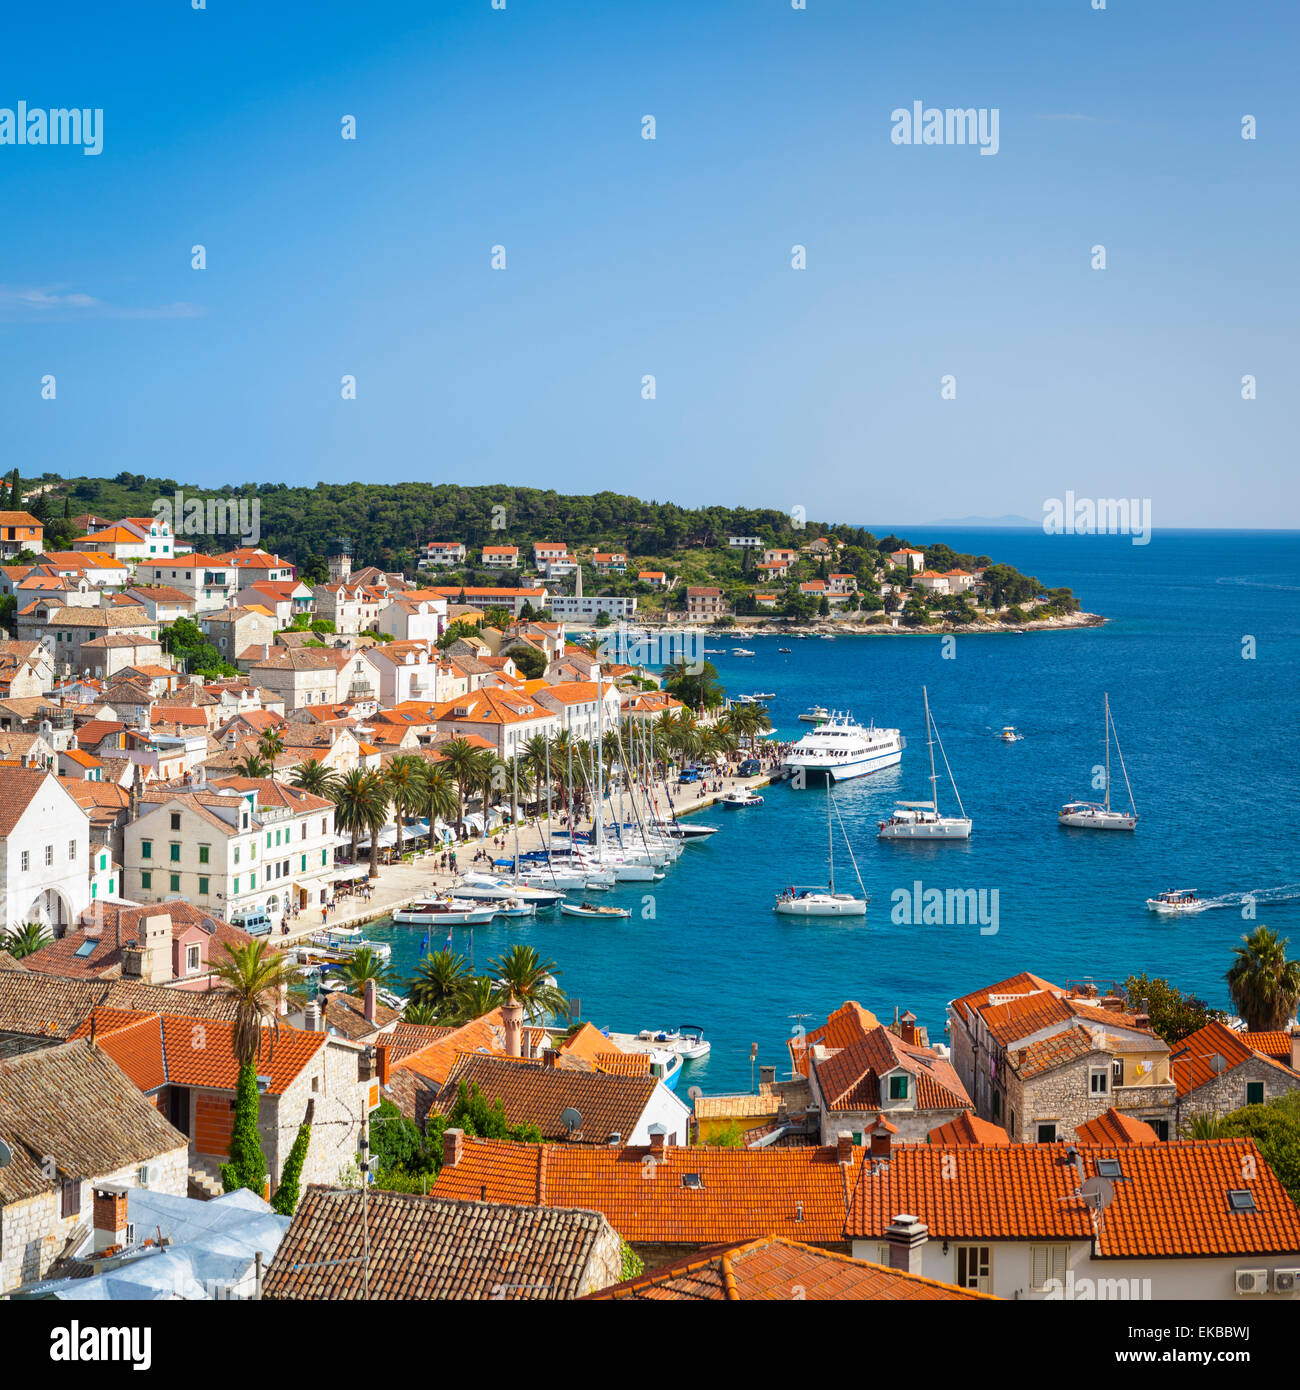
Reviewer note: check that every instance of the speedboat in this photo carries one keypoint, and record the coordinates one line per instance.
(742, 651)
(842, 748)
(688, 1040)
(1176, 902)
(591, 910)
(785, 650)
(818, 902)
(347, 941)
(735, 801)
(1010, 735)
(818, 714)
(682, 830)
(487, 886)
(499, 907)
(425, 912)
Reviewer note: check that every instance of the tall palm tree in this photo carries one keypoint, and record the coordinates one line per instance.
(309, 776)
(437, 797)
(25, 939)
(461, 759)
(1264, 985)
(419, 1013)
(438, 980)
(364, 965)
(270, 745)
(376, 817)
(253, 766)
(403, 780)
(534, 762)
(253, 977)
(477, 996)
(521, 972)
(353, 795)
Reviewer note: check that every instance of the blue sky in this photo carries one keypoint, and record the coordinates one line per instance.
(818, 388)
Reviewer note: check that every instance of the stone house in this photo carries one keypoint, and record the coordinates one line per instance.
(73, 1103)
(1217, 1072)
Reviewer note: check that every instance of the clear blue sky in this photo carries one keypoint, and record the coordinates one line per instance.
(522, 127)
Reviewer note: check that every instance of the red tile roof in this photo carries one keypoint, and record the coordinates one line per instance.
(1113, 1128)
(968, 1128)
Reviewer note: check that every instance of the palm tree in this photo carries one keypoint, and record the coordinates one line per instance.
(253, 977)
(26, 939)
(533, 763)
(419, 1013)
(437, 981)
(1264, 985)
(270, 745)
(376, 817)
(353, 795)
(461, 759)
(253, 766)
(521, 972)
(476, 998)
(403, 779)
(437, 797)
(313, 777)
(1205, 1127)
(365, 965)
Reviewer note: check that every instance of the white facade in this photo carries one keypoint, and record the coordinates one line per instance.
(589, 606)
(44, 860)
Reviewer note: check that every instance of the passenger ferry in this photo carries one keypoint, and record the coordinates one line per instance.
(841, 748)
(1176, 902)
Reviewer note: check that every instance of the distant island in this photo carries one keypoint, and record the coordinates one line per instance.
(592, 559)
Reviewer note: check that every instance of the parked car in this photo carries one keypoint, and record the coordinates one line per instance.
(751, 767)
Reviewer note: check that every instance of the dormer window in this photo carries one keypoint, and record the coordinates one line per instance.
(898, 1086)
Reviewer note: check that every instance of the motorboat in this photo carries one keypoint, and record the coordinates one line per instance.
(742, 651)
(1010, 735)
(489, 886)
(347, 941)
(1176, 902)
(784, 650)
(841, 748)
(499, 907)
(685, 830)
(425, 912)
(921, 820)
(591, 910)
(737, 800)
(688, 1040)
(1098, 815)
(818, 714)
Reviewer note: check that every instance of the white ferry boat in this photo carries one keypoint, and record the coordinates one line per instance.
(841, 748)
(1176, 902)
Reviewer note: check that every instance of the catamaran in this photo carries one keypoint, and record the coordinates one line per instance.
(1092, 815)
(841, 748)
(920, 820)
(1176, 902)
(824, 901)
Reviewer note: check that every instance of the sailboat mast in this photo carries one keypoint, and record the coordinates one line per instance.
(929, 736)
(830, 837)
(1107, 700)
(600, 764)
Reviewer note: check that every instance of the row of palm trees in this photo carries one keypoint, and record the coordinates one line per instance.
(410, 787)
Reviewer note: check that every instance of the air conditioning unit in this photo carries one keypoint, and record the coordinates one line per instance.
(1252, 1280)
(1286, 1280)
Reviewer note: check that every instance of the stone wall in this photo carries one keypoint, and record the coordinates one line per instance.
(1063, 1097)
(1227, 1093)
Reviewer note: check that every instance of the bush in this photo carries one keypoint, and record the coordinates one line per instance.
(247, 1166)
(285, 1200)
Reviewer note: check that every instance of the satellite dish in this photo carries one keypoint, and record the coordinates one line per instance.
(571, 1119)
(1097, 1193)
(695, 1093)
(1217, 1064)
(6, 1154)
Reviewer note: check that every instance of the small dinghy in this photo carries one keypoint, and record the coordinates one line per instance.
(591, 910)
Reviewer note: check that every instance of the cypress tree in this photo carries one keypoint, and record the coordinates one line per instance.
(247, 1166)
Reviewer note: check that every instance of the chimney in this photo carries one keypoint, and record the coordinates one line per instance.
(766, 1077)
(905, 1236)
(385, 1064)
(880, 1139)
(512, 1019)
(311, 1017)
(453, 1147)
(1142, 1019)
(844, 1147)
(550, 1057)
(658, 1139)
(907, 1029)
(156, 954)
(1295, 1046)
(109, 1218)
(372, 996)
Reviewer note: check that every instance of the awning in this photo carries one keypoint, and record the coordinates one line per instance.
(349, 872)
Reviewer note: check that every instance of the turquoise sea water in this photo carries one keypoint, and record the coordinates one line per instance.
(1211, 745)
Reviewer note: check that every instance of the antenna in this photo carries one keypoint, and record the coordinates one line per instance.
(571, 1119)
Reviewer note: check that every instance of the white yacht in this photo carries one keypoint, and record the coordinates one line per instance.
(920, 820)
(818, 714)
(1176, 902)
(824, 901)
(742, 651)
(1093, 815)
(842, 748)
(486, 887)
(448, 912)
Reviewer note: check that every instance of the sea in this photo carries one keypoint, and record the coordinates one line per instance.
(1201, 659)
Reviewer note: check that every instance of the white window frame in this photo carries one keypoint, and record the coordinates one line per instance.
(983, 1256)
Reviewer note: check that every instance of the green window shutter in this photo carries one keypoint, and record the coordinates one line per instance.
(146, 880)
(1254, 1093)
(203, 888)
(176, 883)
(146, 849)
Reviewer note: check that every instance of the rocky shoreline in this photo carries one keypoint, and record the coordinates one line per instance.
(834, 628)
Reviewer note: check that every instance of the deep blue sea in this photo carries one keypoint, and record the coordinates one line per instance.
(1210, 741)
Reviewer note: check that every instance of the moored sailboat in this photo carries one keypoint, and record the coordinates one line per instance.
(920, 820)
(1093, 815)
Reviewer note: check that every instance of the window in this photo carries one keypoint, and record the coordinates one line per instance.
(72, 849)
(146, 849)
(898, 1087)
(1117, 1072)
(1047, 1134)
(70, 1198)
(203, 887)
(234, 892)
(268, 839)
(146, 880)
(203, 854)
(49, 855)
(1241, 1200)
(176, 820)
(236, 854)
(27, 860)
(252, 882)
(175, 852)
(323, 859)
(1098, 1082)
(1046, 1262)
(997, 1104)
(304, 865)
(1254, 1093)
(1111, 1168)
(191, 960)
(176, 883)
(973, 1266)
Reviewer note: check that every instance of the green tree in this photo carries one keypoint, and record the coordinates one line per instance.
(357, 796)
(404, 782)
(285, 1200)
(530, 662)
(247, 1165)
(1264, 985)
(520, 972)
(26, 939)
(1173, 1015)
(437, 982)
(313, 777)
(1275, 1128)
(362, 965)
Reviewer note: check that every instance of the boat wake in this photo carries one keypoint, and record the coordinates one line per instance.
(1245, 581)
(1261, 897)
